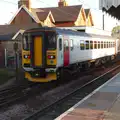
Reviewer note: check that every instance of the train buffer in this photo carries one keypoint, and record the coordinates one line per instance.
(101, 104)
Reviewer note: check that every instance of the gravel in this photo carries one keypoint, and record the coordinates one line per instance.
(37, 102)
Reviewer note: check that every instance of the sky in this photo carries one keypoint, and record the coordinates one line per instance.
(9, 7)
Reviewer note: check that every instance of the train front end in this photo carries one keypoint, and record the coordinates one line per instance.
(39, 55)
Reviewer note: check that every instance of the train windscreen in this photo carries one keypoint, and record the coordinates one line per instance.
(51, 41)
(26, 43)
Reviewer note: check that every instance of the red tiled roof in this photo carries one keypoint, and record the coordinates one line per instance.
(60, 14)
(42, 15)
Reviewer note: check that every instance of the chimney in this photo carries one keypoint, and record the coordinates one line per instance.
(27, 3)
(62, 3)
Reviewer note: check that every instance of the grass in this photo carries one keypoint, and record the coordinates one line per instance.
(5, 75)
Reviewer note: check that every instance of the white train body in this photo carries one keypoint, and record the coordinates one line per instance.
(105, 46)
(47, 52)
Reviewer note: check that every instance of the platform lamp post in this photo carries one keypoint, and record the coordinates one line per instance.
(16, 58)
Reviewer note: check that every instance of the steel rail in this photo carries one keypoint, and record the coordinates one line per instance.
(40, 113)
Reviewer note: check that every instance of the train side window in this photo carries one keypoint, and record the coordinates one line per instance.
(107, 44)
(82, 46)
(104, 44)
(91, 44)
(71, 44)
(87, 45)
(98, 44)
(101, 44)
(66, 45)
(60, 44)
(95, 44)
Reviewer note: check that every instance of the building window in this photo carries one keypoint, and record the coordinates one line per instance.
(82, 46)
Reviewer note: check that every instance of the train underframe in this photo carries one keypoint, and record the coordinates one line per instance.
(65, 73)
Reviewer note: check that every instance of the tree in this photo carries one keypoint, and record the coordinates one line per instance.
(116, 32)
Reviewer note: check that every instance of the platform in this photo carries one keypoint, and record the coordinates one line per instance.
(101, 104)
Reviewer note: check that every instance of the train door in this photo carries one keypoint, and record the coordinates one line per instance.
(66, 52)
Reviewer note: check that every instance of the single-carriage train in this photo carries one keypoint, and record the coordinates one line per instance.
(48, 52)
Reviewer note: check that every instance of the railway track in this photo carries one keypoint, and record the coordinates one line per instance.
(53, 110)
(14, 93)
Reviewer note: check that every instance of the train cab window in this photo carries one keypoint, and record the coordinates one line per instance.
(60, 44)
(71, 44)
(51, 41)
(95, 44)
(87, 45)
(91, 44)
(101, 44)
(26, 43)
(98, 44)
(82, 46)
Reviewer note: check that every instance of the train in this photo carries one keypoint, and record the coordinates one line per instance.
(48, 53)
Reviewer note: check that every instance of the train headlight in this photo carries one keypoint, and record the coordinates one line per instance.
(27, 56)
(51, 56)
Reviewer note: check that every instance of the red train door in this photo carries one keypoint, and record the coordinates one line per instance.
(66, 52)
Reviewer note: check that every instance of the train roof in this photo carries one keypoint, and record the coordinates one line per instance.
(69, 31)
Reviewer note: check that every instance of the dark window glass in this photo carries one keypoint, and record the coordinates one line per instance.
(26, 43)
(101, 44)
(104, 44)
(51, 41)
(91, 44)
(107, 44)
(60, 44)
(95, 44)
(82, 46)
(98, 44)
(87, 45)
